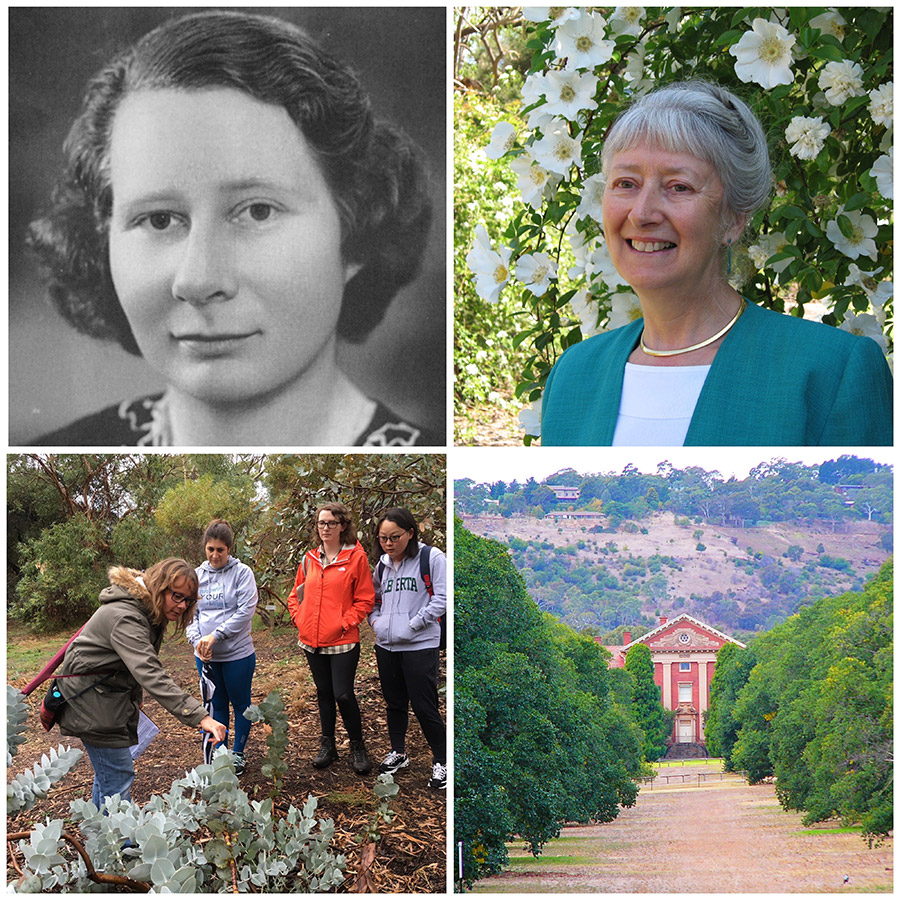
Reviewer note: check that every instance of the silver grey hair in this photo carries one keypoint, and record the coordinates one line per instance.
(708, 122)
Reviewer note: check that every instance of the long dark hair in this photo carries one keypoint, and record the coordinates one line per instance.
(404, 519)
(219, 530)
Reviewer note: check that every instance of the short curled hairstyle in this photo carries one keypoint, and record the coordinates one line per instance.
(708, 122)
(343, 515)
(159, 578)
(377, 176)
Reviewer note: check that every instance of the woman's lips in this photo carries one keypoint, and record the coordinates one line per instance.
(649, 246)
(211, 345)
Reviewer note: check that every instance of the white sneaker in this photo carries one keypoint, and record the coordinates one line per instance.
(438, 779)
(392, 762)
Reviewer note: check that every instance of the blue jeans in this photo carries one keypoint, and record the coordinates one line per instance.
(232, 680)
(113, 772)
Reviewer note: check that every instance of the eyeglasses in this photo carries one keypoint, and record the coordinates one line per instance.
(178, 599)
(327, 524)
(390, 539)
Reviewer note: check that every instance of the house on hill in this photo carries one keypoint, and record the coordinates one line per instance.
(564, 493)
(684, 652)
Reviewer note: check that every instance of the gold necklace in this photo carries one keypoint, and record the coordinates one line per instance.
(702, 344)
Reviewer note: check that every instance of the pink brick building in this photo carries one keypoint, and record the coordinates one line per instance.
(683, 651)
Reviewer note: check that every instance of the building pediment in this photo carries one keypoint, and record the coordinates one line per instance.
(686, 633)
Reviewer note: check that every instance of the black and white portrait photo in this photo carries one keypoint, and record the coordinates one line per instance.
(227, 227)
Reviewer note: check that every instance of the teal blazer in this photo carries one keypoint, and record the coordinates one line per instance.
(775, 381)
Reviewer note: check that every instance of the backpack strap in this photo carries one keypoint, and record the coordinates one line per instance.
(425, 568)
(48, 670)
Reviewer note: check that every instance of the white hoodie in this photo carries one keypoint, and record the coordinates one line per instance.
(405, 616)
(228, 598)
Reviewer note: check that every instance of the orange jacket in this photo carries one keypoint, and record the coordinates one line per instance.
(336, 598)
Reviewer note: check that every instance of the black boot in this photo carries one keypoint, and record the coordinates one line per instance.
(327, 753)
(359, 759)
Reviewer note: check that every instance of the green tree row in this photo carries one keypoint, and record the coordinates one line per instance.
(72, 516)
(810, 704)
(545, 732)
(776, 491)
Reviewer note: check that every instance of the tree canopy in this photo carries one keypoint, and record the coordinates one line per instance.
(810, 703)
(544, 732)
(71, 516)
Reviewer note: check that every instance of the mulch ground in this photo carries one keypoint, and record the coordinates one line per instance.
(411, 855)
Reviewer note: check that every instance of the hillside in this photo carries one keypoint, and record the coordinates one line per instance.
(740, 579)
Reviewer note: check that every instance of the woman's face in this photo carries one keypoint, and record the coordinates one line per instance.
(179, 596)
(664, 219)
(394, 539)
(329, 527)
(224, 243)
(216, 553)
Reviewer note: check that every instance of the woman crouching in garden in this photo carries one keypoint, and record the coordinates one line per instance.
(332, 594)
(122, 639)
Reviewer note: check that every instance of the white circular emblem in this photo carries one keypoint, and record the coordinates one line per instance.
(684, 637)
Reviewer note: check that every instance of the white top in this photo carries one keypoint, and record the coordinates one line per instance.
(657, 404)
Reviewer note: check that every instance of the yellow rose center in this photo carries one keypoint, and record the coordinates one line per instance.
(540, 274)
(584, 43)
(501, 273)
(771, 49)
(567, 93)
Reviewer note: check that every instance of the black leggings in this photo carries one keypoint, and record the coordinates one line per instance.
(333, 674)
(409, 677)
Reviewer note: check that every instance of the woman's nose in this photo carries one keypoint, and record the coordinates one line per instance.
(645, 208)
(205, 271)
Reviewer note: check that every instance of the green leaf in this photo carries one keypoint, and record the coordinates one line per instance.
(729, 37)
(857, 201)
(792, 212)
(846, 226)
(827, 52)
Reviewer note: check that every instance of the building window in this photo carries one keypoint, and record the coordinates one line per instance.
(684, 667)
(685, 693)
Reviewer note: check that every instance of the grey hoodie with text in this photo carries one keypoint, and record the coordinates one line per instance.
(405, 617)
(225, 608)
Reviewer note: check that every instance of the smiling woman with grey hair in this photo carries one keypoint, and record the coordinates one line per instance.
(229, 209)
(686, 166)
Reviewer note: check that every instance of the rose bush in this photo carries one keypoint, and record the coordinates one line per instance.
(820, 82)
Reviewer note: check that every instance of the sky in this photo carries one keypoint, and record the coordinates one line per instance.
(489, 464)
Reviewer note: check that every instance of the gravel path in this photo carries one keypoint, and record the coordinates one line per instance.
(718, 837)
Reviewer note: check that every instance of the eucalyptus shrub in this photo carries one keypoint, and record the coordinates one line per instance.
(271, 711)
(821, 83)
(33, 784)
(157, 844)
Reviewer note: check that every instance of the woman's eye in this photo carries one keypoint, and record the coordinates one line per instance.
(159, 221)
(258, 212)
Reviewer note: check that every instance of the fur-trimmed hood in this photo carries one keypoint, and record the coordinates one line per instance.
(124, 583)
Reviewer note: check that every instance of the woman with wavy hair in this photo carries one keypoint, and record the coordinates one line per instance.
(121, 640)
(229, 209)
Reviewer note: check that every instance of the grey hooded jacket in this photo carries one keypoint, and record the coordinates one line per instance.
(119, 638)
(228, 599)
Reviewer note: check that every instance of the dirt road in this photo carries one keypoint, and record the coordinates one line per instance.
(703, 836)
